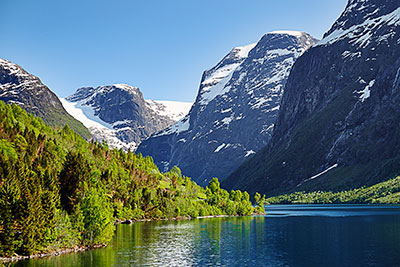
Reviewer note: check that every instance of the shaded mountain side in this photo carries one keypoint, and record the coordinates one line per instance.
(338, 127)
(234, 112)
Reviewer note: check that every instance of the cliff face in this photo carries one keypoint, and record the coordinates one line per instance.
(26, 90)
(119, 115)
(234, 112)
(338, 125)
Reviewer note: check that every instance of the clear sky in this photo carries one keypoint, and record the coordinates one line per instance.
(160, 46)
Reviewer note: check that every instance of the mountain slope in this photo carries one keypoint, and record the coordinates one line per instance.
(338, 127)
(26, 90)
(58, 191)
(234, 112)
(119, 115)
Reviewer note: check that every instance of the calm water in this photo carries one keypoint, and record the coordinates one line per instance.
(298, 235)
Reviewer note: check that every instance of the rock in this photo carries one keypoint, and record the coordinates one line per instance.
(119, 115)
(338, 126)
(27, 91)
(234, 112)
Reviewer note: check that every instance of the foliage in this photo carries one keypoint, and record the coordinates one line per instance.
(58, 190)
(385, 192)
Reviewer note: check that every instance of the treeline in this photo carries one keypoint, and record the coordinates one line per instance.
(59, 191)
(387, 192)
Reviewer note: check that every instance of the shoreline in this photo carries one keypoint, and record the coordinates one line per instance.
(50, 253)
(132, 221)
(117, 222)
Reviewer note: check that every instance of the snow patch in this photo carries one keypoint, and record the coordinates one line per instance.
(219, 148)
(126, 87)
(13, 68)
(261, 101)
(366, 92)
(100, 130)
(174, 110)
(361, 33)
(176, 128)
(319, 174)
(243, 51)
(118, 123)
(227, 120)
(296, 34)
(226, 110)
(84, 114)
(249, 153)
(214, 84)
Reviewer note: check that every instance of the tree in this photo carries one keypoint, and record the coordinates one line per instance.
(75, 172)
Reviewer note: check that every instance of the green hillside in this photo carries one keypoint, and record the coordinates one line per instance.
(59, 191)
(387, 192)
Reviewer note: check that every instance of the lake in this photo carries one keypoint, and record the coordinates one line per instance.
(295, 235)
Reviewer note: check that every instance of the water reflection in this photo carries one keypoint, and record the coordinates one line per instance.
(304, 236)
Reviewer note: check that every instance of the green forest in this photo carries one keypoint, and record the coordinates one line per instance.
(58, 190)
(387, 192)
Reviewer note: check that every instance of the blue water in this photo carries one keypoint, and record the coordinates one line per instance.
(295, 235)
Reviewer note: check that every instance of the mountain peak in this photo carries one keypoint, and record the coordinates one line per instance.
(337, 124)
(87, 93)
(13, 69)
(234, 112)
(361, 19)
(126, 87)
(297, 34)
(26, 90)
(119, 115)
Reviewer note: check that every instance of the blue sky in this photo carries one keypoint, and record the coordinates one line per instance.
(160, 46)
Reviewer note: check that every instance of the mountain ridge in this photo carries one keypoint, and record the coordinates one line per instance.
(344, 113)
(233, 115)
(27, 90)
(119, 115)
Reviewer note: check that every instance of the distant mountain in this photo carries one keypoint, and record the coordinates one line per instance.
(339, 122)
(119, 115)
(234, 112)
(26, 90)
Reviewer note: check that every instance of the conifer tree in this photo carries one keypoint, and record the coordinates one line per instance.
(75, 172)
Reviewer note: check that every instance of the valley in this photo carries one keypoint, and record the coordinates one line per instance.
(290, 146)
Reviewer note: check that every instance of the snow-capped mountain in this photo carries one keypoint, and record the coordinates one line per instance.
(338, 127)
(26, 90)
(234, 112)
(119, 115)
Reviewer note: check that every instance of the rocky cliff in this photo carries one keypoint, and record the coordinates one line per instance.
(119, 115)
(234, 112)
(338, 126)
(26, 90)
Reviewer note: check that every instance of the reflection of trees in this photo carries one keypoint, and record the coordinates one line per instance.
(212, 241)
(246, 241)
(155, 243)
(94, 257)
(199, 242)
